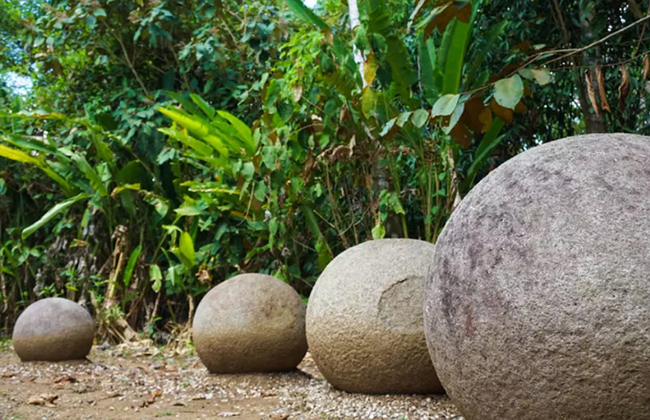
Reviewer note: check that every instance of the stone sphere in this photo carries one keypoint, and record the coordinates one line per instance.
(53, 330)
(364, 319)
(538, 298)
(250, 323)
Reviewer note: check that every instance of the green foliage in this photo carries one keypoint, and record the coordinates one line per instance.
(166, 146)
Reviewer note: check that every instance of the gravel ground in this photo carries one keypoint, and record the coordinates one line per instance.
(143, 382)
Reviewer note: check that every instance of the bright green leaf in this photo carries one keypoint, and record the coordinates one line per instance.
(368, 101)
(51, 213)
(156, 277)
(186, 249)
(133, 259)
(193, 208)
(378, 232)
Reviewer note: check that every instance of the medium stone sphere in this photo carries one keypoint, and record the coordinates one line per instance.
(538, 299)
(364, 319)
(250, 323)
(53, 330)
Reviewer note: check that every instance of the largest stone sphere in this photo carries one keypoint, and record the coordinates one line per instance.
(364, 319)
(250, 323)
(538, 299)
(53, 330)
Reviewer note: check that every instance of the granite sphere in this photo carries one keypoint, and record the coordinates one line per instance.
(250, 323)
(364, 319)
(538, 299)
(53, 329)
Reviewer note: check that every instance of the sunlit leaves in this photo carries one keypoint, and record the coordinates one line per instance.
(541, 76)
(156, 277)
(186, 250)
(370, 69)
(420, 118)
(368, 100)
(445, 105)
(378, 232)
(508, 92)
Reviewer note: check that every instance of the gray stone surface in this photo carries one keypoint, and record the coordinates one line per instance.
(538, 299)
(250, 323)
(364, 319)
(53, 329)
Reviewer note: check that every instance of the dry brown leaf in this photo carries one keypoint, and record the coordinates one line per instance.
(646, 66)
(279, 416)
(344, 114)
(462, 135)
(445, 13)
(473, 117)
(486, 119)
(310, 162)
(329, 37)
(9, 374)
(65, 378)
(521, 108)
(113, 394)
(156, 393)
(36, 401)
(624, 88)
(352, 145)
(601, 89)
(591, 92)
(46, 400)
(502, 112)
(266, 394)
(523, 46)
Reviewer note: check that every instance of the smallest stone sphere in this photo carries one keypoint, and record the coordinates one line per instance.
(250, 323)
(53, 330)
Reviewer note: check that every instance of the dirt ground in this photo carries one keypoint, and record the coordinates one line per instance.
(144, 382)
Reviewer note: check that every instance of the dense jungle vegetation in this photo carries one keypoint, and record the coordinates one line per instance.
(150, 149)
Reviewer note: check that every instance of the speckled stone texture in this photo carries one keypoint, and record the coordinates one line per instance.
(364, 319)
(538, 299)
(250, 323)
(53, 330)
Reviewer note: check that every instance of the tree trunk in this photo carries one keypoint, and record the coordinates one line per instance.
(353, 10)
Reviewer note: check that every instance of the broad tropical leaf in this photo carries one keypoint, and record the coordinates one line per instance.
(90, 173)
(186, 250)
(133, 259)
(306, 14)
(52, 213)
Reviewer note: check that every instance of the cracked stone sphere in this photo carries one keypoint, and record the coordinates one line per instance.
(364, 319)
(53, 330)
(250, 323)
(538, 299)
